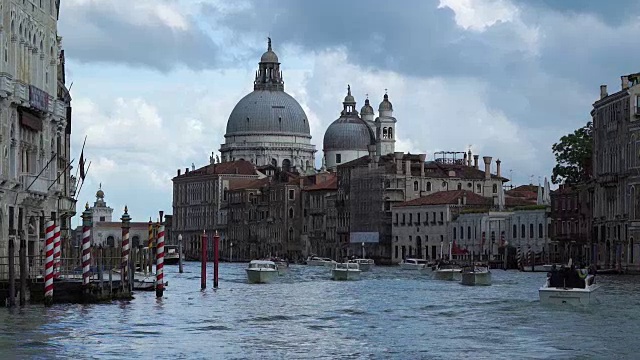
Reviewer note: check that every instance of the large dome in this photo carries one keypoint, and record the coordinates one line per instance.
(268, 112)
(348, 133)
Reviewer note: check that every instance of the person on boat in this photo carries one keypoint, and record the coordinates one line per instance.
(555, 278)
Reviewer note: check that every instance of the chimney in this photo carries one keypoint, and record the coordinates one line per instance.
(398, 159)
(625, 82)
(422, 158)
(475, 161)
(603, 91)
(487, 167)
(178, 172)
(464, 197)
(464, 158)
(186, 170)
(407, 167)
(469, 158)
(498, 168)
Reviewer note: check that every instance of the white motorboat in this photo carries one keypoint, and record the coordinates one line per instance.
(413, 264)
(171, 255)
(447, 271)
(345, 271)
(365, 264)
(281, 265)
(476, 275)
(261, 271)
(318, 261)
(569, 286)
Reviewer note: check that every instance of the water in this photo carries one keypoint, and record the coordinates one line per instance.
(389, 314)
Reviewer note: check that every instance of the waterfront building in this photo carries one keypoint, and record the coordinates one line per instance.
(268, 126)
(35, 126)
(198, 195)
(616, 210)
(571, 218)
(320, 216)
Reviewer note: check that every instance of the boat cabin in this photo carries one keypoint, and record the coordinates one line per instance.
(570, 278)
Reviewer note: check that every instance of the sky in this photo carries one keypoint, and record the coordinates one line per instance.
(154, 81)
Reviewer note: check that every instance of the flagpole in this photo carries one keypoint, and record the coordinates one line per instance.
(61, 173)
(85, 173)
(78, 169)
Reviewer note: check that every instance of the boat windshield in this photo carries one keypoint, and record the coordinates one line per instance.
(262, 265)
(570, 278)
(345, 266)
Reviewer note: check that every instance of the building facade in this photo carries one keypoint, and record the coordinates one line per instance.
(320, 216)
(268, 126)
(571, 218)
(616, 176)
(35, 126)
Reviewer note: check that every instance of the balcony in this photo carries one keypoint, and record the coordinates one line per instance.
(6, 85)
(35, 185)
(21, 91)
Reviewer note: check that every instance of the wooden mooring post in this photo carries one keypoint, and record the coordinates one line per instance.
(11, 301)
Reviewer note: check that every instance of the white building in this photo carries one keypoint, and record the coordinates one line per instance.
(35, 129)
(268, 126)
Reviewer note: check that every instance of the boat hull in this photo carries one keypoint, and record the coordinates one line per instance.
(282, 268)
(476, 278)
(365, 267)
(344, 274)
(171, 260)
(448, 275)
(560, 296)
(261, 276)
(406, 266)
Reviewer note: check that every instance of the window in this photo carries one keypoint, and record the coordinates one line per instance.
(461, 233)
(479, 187)
(495, 188)
(515, 232)
(531, 231)
(415, 186)
(338, 158)
(428, 185)
(396, 252)
(468, 232)
(454, 233)
(396, 218)
(292, 194)
(522, 231)
(390, 135)
(540, 235)
(290, 213)
(459, 186)
(102, 218)
(410, 218)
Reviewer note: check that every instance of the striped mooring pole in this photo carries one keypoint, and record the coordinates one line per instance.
(160, 262)
(124, 266)
(56, 252)
(519, 255)
(48, 266)
(86, 248)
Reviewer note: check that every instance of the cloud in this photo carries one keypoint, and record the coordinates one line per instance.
(157, 34)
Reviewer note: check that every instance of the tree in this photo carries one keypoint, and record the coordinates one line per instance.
(573, 156)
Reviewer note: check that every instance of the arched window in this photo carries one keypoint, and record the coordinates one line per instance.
(135, 241)
(290, 213)
(454, 233)
(495, 188)
(111, 241)
(385, 133)
(415, 186)
(468, 232)
(428, 185)
(531, 231)
(390, 133)
(459, 186)
(515, 232)
(479, 187)
(632, 199)
(540, 234)
(523, 230)
(286, 164)
(224, 194)
(461, 233)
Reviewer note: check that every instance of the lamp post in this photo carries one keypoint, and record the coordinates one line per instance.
(506, 253)
(363, 250)
(180, 253)
(231, 251)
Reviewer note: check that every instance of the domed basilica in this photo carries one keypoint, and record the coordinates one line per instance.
(269, 127)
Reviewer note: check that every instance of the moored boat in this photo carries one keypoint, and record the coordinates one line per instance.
(261, 271)
(318, 261)
(413, 264)
(345, 271)
(171, 255)
(364, 264)
(447, 271)
(569, 286)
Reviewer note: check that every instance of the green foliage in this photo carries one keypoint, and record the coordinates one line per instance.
(573, 156)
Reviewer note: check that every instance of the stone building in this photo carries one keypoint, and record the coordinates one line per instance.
(571, 218)
(320, 216)
(616, 176)
(198, 195)
(268, 126)
(368, 188)
(35, 126)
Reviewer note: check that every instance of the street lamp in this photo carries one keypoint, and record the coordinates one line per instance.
(231, 251)
(180, 253)
(363, 250)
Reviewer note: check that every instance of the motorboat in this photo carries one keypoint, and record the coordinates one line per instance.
(281, 264)
(413, 264)
(261, 271)
(447, 271)
(345, 271)
(171, 255)
(476, 275)
(569, 286)
(319, 261)
(365, 264)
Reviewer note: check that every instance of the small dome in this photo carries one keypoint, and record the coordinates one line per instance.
(349, 99)
(269, 57)
(385, 105)
(100, 194)
(348, 133)
(366, 109)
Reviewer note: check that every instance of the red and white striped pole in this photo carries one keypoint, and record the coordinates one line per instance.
(86, 248)
(160, 262)
(124, 268)
(48, 266)
(56, 252)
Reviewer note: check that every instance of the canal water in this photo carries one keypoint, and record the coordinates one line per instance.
(389, 314)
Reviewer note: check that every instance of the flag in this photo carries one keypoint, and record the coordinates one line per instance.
(82, 173)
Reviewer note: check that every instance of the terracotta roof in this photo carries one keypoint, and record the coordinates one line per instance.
(239, 167)
(510, 201)
(242, 184)
(448, 197)
(329, 184)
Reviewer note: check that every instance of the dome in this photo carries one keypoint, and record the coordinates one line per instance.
(269, 57)
(266, 111)
(385, 105)
(100, 193)
(348, 133)
(366, 109)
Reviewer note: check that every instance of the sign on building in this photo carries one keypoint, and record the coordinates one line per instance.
(364, 237)
(38, 98)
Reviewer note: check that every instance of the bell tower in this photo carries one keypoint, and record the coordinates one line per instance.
(385, 128)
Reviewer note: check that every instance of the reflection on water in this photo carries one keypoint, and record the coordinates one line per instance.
(390, 313)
